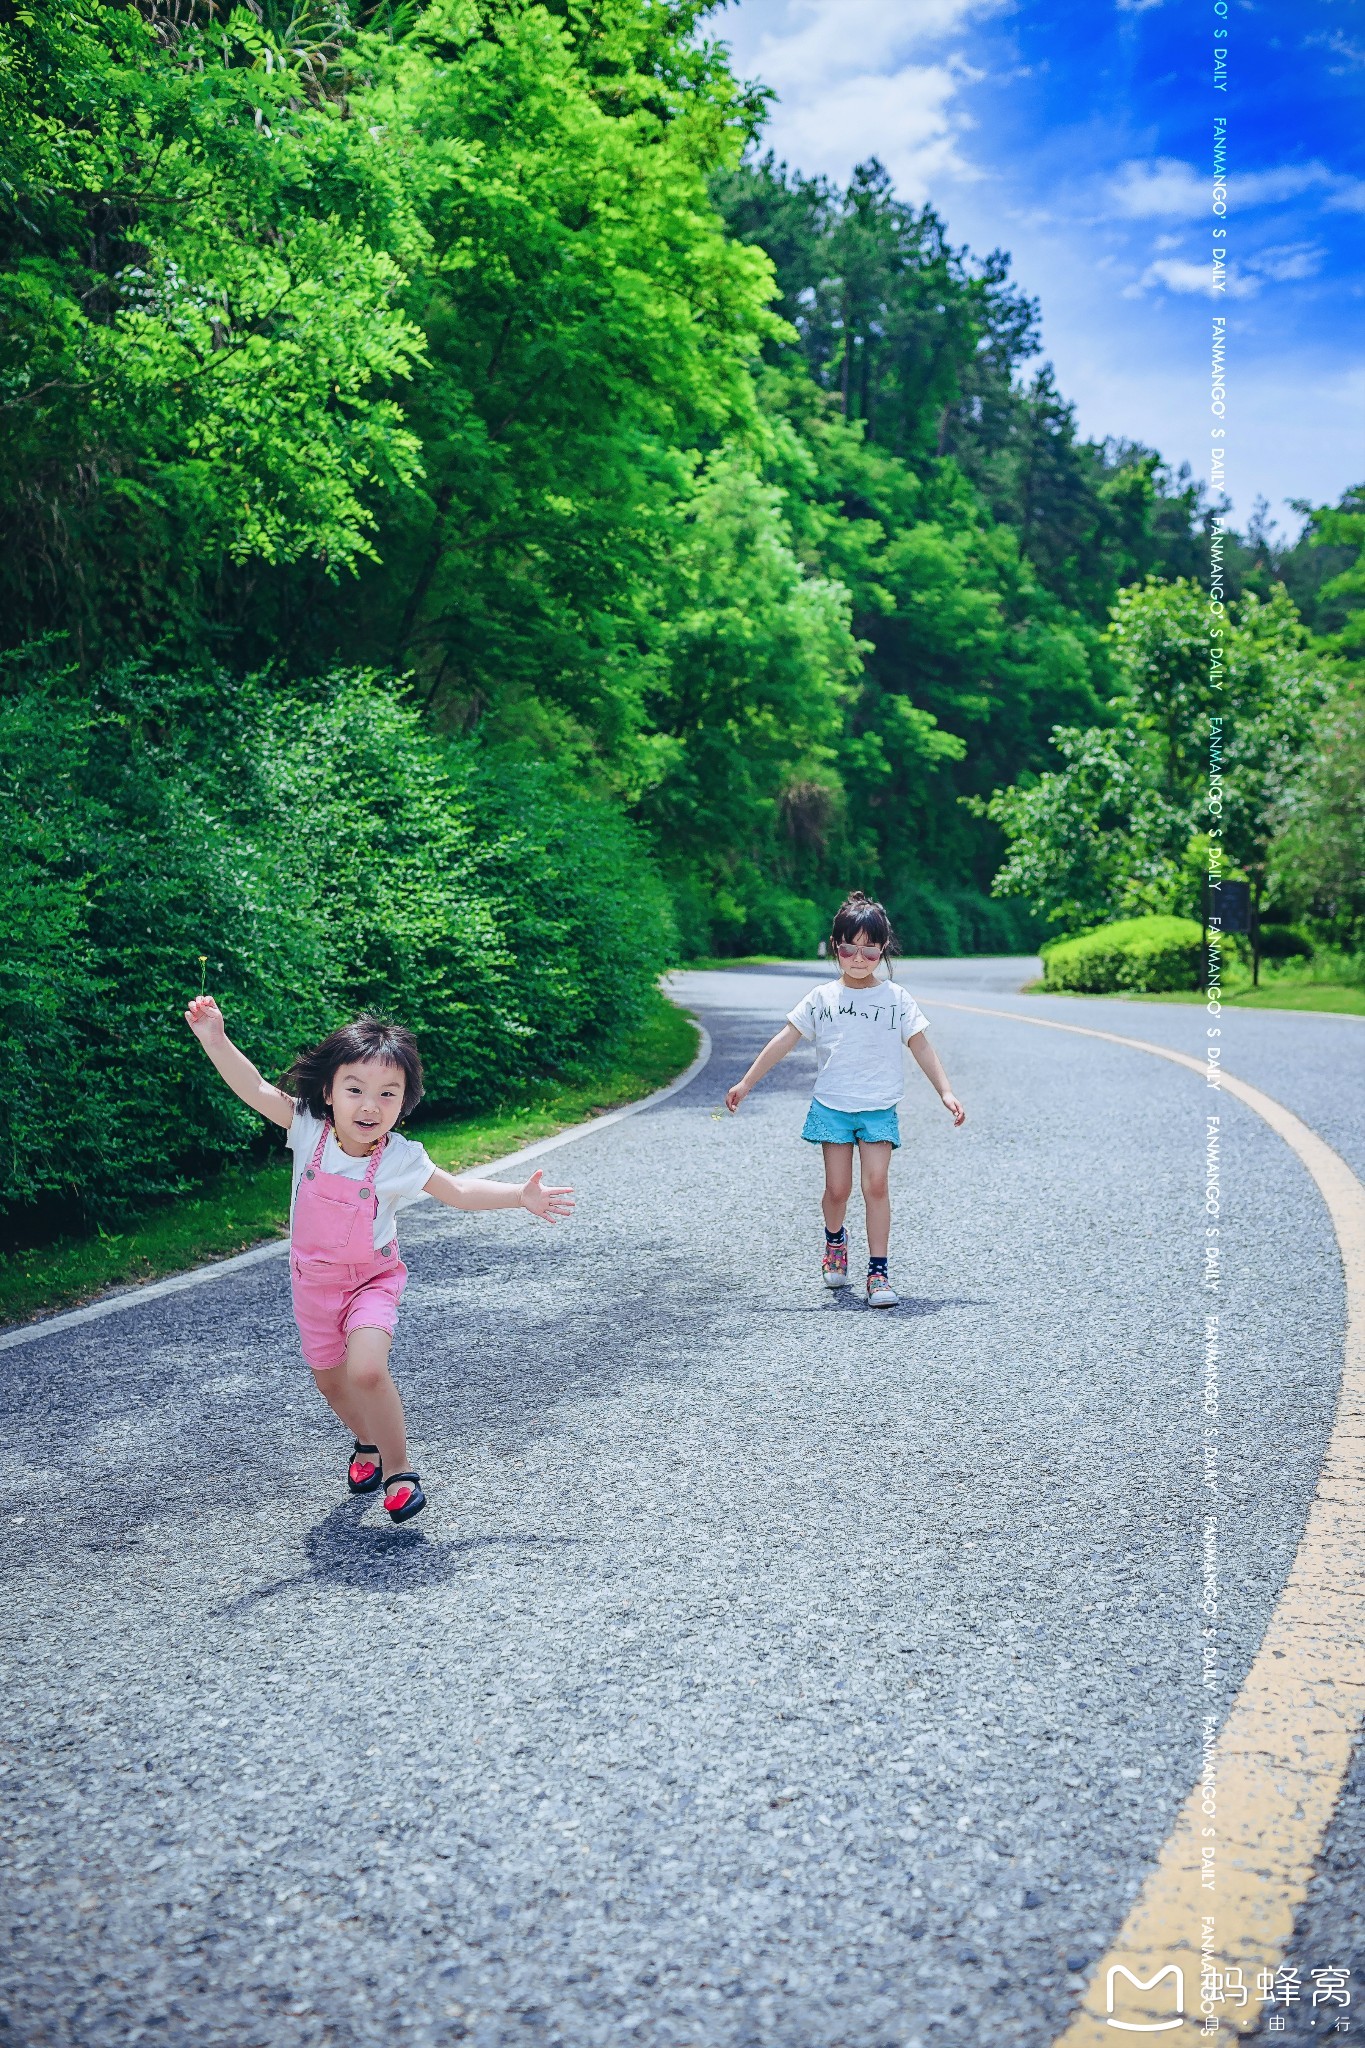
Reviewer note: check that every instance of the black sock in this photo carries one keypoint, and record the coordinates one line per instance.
(876, 1266)
(838, 1236)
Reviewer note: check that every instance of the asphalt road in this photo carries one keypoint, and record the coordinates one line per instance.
(768, 1672)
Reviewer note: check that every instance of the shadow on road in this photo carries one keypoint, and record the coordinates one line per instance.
(343, 1550)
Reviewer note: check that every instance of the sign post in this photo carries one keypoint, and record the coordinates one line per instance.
(1227, 907)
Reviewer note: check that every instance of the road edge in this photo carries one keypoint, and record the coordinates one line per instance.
(1275, 1768)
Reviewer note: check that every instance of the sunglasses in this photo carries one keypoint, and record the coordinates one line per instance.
(859, 952)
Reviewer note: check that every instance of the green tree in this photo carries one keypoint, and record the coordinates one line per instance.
(968, 660)
(1317, 859)
(758, 673)
(200, 260)
(924, 345)
(589, 328)
(1098, 838)
(1109, 833)
(1326, 570)
(463, 340)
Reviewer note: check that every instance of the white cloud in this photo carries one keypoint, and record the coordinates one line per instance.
(1350, 54)
(1160, 189)
(1287, 263)
(1164, 187)
(1270, 188)
(806, 44)
(906, 120)
(1291, 261)
(1175, 274)
(849, 85)
(1136, 6)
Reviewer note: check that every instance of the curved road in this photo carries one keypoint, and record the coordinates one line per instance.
(768, 1672)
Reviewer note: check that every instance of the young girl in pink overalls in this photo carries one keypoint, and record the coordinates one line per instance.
(353, 1172)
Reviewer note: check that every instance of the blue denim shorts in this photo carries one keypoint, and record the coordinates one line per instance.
(845, 1126)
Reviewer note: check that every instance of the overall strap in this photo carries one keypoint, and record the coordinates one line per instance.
(375, 1156)
(321, 1145)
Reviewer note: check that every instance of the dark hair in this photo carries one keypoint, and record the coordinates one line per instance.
(858, 913)
(355, 1045)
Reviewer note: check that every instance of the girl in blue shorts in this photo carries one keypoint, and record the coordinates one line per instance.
(858, 1025)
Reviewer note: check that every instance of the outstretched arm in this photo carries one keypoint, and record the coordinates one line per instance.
(205, 1020)
(462, 1192)
(777, 1048)
(932, 1068)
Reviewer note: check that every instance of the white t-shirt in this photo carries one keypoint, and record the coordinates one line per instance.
(404, 1169)
(859, 1036)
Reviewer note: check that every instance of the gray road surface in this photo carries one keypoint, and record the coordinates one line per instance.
(768, 1672)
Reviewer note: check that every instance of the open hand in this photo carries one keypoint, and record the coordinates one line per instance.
(550, 1204)
(951, 1103)
(205, 1020)
(734, 1096)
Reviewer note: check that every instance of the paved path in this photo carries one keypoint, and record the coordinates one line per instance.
(768, 1672)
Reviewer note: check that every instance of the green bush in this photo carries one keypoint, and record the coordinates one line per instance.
(325, 853)
(742, 912)
(756, 915)
(1144, 954)
(782, 922)
(950, 923)
(1282, 942)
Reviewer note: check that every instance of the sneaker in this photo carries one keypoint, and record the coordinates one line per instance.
(834, 1265)
(880, 1292)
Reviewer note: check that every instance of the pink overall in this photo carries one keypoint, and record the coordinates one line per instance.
(341, 1283)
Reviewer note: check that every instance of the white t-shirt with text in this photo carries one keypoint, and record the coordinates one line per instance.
(859, 1036)
(404, 1169)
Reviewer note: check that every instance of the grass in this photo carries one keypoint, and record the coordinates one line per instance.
(1287, 985)
(248, 1205)
(1321, 995)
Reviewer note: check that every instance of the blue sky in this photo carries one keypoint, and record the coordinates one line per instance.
(1079, 137)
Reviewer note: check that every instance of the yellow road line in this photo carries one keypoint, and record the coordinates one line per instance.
(1285, 1747)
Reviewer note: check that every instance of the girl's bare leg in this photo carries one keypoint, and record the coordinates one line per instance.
(362, 1393)
(874, 1166)
(838, 1184)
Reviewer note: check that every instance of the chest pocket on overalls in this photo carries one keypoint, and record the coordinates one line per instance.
(342, 1226)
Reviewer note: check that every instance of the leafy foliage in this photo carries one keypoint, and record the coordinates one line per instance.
(1116, 828)
(1328, 568)
(325, 852)
(199, 274)
(923, 344)
(1317, 858)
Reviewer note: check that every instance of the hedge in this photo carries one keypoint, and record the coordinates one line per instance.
(935, 922)
(1283, 942)
(1144, 954)
(325, 853)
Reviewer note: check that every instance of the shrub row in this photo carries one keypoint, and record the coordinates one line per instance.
(1283, 942)
(761, 916)
(325, 853)
(1144, 954)
(951, 923)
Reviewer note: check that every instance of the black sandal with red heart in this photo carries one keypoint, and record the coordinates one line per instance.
(365, 1473)
(407, 1499)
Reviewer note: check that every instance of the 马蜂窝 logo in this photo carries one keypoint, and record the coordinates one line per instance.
(1171, 1970)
